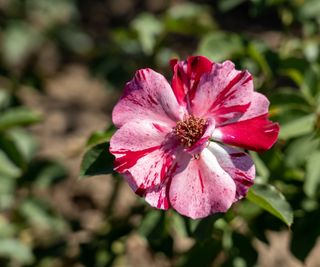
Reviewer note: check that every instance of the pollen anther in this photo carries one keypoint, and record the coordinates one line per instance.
(190, 130)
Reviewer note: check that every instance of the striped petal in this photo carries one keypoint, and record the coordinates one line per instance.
(237, 164)
(187, 75)
(258, 133)
(148, 96)
(202, 188)
(143, 153)
(223, 94)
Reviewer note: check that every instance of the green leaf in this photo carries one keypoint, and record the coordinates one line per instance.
(294, 74)
(18, 117)
(227, 5)
(220, 46)
(271, 200)
(287, 98)
(154, 227)
(49, 174)
(8, 146)
(297, 127)
(257, 51)
(310, 9)
(312, 181)
(148, 28)
(311, 50)
(299, 150)
(189, 18)
(97, 161)
(7, 189)
(72, 36)
(20, 40)
(7, 228)
(25, 142)
(261, 167)
(177, 223)
(7, 167)
(150, 223)
(5, 98)
(290, 66)
(16, 250)
(99, 137)
(311, 83)
(37, 214)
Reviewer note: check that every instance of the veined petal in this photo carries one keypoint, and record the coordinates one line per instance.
(147, 96)
(237, 164)
(143, 153)
(187, 75)
(158, 196)
(259, 105)
(241, 115)
(221, 91)
(258, 133)
(202, 188)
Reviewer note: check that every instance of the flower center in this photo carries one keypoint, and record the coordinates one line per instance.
(190, 130)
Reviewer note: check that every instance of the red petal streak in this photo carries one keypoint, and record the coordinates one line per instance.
(243, 182)
(227, 93)
(197, 66)
(130, 158)
(243, 179)
(148, 96)
(163, 199)
(187, 75)
(178, 84)
(152, 182)
(157, 195)
(237, 164)
(238, 155)
(201, 180)
(202, 187)
(173, 62)
(223, 114)
(159, 127)
(258, 134)
(149, 183)
(163, 202)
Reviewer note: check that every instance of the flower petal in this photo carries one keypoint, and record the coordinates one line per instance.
(158, 196)
(259, 105)
(258, 133)
(241, 115)
(202, 188)
(237, 164)
(187, 75)
(252, 130)
(147, 96)
(224, 94)
(143, 153)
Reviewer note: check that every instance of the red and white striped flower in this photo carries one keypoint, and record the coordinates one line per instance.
(175, 144)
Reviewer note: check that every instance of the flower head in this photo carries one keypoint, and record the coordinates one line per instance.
(175, 144)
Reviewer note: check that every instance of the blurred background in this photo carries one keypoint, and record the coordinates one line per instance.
(63, 64)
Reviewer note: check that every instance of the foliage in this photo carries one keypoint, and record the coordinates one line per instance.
(276, 40)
